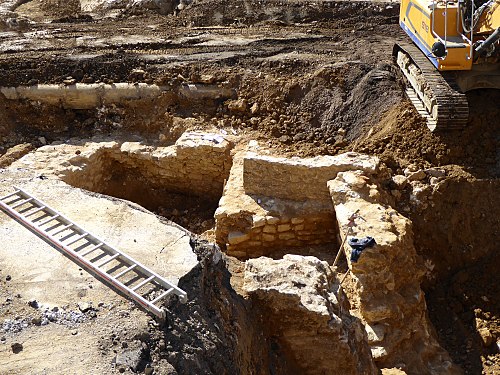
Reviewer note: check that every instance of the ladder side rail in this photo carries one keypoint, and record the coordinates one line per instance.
(148, 272)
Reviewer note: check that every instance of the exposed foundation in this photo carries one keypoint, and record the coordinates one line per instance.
(271, 203)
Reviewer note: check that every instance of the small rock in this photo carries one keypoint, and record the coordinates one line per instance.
(130, 358)
(254, 109)
(410, 169)
(16, 347)
(84, 306)
(416, 176)
(434, 181)
(239, 105)
(400, 181)
(74, 332)
(33, 303)
(434, 172)
(42, 140)
(486, 336)
(285, 139)
(8, 278)
(161, 345)
(36, 321)
(378, 352)
(207, 78)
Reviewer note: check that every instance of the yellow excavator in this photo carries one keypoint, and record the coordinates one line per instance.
(456, 48)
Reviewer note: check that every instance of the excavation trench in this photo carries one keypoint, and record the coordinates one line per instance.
(260, 209)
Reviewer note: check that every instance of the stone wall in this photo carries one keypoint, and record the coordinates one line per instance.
(387, 294)
(198, 163)
(253, 221)
(297, 178)
(269, 233)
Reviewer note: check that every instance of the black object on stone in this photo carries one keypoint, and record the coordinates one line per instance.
(358, 245)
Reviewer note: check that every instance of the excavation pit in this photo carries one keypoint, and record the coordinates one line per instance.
(303, 80)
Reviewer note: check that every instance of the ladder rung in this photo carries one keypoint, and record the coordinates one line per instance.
(35, 211)
(125, 271)
(10, 195)
(78, 238)
(24, 201)
(108, 260)
(144, 282)
(48, 220)
(93, 248)
(163, 295)
(62, 229)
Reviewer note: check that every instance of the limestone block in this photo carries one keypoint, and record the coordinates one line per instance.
(235, 238)
(269, 229)
(271, 220)
(284, 227)
(268, 237)
(295, 295)
(286, 236)
(254, 243)
(264, 174)
(298, 227)
(258, 221)
(297, 220)
(209, 142)
(137, 148)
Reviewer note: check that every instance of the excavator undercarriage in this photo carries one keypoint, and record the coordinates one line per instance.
(435, 98)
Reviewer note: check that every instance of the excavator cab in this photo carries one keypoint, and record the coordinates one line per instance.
(455, 48)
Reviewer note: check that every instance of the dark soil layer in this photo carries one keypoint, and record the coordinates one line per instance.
(464, 304)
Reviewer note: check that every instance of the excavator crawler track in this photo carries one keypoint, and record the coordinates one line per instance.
(435, 96)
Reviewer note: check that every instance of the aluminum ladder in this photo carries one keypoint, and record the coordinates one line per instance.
(141, 284)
